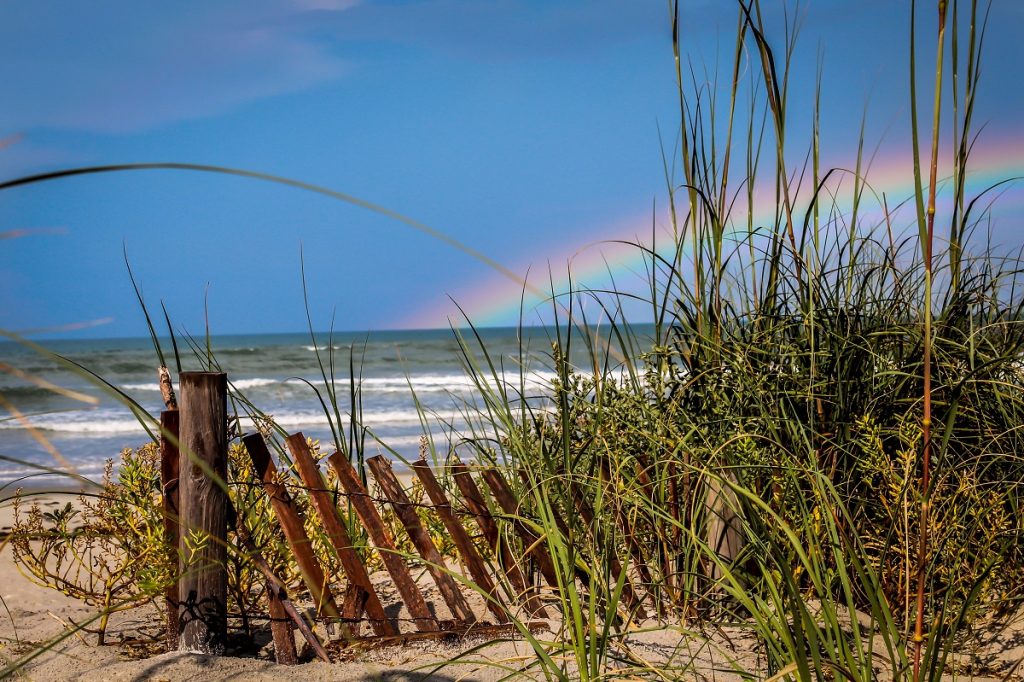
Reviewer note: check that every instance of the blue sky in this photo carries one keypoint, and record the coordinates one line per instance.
(523, 129)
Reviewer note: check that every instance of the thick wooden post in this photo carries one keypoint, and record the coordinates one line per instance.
(169, 487)
(203, 500)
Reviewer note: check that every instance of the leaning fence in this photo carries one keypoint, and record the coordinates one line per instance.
(480, 510)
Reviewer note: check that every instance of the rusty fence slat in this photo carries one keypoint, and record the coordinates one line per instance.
(291, 523)
(338, 534)
(635, 550)
(281, 628)
(404, 582)
(245, 538)
(508, 503)
(474, 501)
(352, 609)
(588, 516)
(470, 557)
(400, 502)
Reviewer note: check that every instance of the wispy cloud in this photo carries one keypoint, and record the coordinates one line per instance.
(126, 66)
(499, 30)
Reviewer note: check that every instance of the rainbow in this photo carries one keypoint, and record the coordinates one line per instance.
(596, 255)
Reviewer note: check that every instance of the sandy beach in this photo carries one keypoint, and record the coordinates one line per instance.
(34, 615)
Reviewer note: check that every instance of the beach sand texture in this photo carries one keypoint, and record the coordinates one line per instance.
(36, 614)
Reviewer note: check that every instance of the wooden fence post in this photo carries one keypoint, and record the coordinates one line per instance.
(203, 501)
(169, 456)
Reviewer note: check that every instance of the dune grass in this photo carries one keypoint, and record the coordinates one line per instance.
(818, 445)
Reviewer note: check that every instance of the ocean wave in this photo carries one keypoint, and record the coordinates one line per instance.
(372, 419)
(140, 387)
(453, 382)
(256, 382)
(240, 384)
(412, 440)
(109, 423)
(422, 383)
(88, 424)
(30, 392)
(9, 474)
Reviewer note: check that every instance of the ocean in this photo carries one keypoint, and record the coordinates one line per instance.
(394, 369)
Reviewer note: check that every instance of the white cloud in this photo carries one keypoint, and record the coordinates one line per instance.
(124, 66)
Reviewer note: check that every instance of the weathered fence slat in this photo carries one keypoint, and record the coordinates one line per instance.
(245, 537)
(400, 502)
(725, 524)
(338, 534)
(291, 523)
(281, 629)
(203, 504)
(470, 558)
(351, 609)
(169, 457)
(508, 503)
(474, 501)
(560, 523)
(404, 582)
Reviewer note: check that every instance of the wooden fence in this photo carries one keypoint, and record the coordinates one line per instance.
(194, 484)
